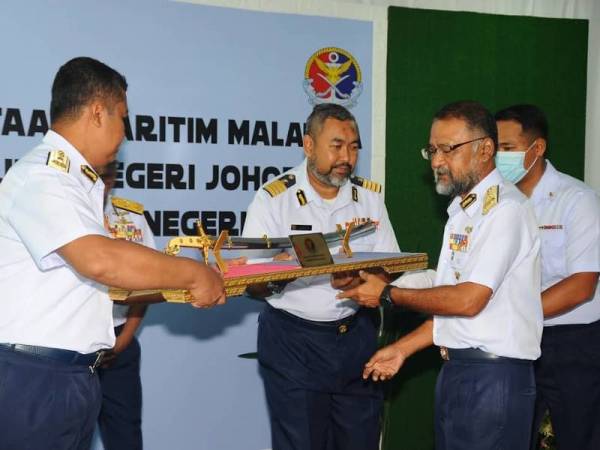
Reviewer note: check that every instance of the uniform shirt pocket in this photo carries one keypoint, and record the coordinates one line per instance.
(554, 261)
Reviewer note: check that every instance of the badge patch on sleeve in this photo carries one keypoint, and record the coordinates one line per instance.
(459, 242)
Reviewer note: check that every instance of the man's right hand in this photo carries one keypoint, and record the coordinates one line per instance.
(209, 289)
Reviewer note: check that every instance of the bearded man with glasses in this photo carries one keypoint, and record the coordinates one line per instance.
(485, 303)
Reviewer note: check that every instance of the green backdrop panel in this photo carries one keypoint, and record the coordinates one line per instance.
(436, 57)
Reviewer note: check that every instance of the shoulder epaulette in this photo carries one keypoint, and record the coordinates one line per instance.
(492, 196)
(280, 185)
(367, 184)
(57, 159)
(127, 205)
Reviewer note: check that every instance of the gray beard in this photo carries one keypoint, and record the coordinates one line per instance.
(455, 186)
(328, 179)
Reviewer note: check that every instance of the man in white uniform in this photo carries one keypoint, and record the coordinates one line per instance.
(311, 347)
(486, 307)
(56, 260)
(120, 419)
(568, 214)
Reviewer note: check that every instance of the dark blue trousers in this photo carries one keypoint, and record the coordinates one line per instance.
(46, 405)
(484, 405)
(120, 419)
(313, 382)
(568, 384)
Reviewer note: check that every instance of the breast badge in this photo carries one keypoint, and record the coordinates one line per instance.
(459, 242)
(125, 230)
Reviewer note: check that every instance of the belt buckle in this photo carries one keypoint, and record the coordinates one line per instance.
(444, 354)
(99, 358)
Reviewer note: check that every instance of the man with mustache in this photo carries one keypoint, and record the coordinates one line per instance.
(486, 308)
(311, 348)
(56, 259)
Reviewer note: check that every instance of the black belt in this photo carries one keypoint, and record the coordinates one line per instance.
(340, 326)
(92, 360)
(450, 354)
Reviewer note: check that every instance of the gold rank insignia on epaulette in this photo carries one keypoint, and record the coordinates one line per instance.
(127, 205)
(491, 198)
(89, 172)
(301, 197)
(280, 185)
(468, 200)
(367, 184)
(59, 160)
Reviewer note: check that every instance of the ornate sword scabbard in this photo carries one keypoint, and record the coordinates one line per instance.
(223, 236)
(346, 241)
(204, 243)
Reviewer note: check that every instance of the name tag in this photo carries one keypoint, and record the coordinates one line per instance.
(296, 227)
(550, 227)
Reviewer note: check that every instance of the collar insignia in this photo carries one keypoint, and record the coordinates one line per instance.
(468, 200)
(301, 197)
(89, 172)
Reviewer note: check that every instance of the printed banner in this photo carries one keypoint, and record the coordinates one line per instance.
(218, 98)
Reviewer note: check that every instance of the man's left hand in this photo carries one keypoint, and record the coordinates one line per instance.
(121, 343)
(366, 294)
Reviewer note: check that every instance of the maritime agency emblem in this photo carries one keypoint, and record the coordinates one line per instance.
(332, 75)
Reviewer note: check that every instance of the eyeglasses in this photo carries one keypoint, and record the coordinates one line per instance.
(428, 152)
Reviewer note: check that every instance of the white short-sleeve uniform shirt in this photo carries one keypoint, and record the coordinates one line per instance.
(130, 226)
(299, 209)
(492, 240)
(568, 215)
(43, 300)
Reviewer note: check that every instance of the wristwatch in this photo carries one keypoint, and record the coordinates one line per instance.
(385, 299)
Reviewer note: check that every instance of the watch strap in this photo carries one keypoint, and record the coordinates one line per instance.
(385, 299)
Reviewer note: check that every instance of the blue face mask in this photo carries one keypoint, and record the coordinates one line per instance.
(510, 164)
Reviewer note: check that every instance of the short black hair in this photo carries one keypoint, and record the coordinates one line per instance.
(80, 81)
(474, 114)
(324, 111)
(531, 118)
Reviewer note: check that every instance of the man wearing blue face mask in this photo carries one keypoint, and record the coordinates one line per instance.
(568, 215)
